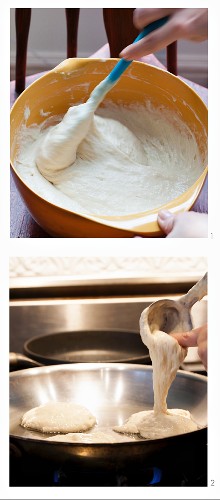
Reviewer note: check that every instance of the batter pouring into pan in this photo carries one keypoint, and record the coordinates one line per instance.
(166, 355)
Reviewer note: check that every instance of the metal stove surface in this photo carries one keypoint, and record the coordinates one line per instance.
(30, 318)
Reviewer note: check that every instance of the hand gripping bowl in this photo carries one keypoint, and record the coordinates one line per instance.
(71, 83)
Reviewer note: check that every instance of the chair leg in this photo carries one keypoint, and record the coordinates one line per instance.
(72, 22)
(121, 32)
(119, 28)
(22, 25)
(172, 58)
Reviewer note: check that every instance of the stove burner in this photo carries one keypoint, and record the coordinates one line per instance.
(183, 463)
(157, 475)
(30, 471)
(145, 477)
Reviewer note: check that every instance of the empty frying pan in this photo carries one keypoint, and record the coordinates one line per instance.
(88, 346)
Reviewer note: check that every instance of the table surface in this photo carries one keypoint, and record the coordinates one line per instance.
(22, 225)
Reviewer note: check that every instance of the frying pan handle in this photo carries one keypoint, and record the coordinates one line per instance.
(20, 362)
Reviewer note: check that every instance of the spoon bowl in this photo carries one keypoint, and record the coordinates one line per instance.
(171, 316)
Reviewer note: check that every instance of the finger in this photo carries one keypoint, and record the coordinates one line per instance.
(202, 352)
(143, 17)
(187, 339)
(203, 332)
(165, 220)
(153, 42)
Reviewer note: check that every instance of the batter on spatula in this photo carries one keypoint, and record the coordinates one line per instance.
(166, 355)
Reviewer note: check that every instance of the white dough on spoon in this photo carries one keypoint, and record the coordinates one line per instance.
(59, 146)
(58, 417)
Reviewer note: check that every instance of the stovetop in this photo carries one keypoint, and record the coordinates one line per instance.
(29, 318)
(180, 467)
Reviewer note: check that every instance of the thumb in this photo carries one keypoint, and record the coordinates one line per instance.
(187, 339)
(165, 220)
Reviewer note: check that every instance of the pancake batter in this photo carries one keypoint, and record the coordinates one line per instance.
(127, 159)
(166, 355)
(58, 417)
(98, 436)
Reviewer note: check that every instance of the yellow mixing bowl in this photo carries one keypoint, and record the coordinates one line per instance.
(71, 83)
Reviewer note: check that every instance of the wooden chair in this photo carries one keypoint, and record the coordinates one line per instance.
(119, 29)
(120, 32)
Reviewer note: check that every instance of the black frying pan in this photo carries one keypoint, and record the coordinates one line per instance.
(88, 346)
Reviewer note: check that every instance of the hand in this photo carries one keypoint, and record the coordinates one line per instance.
(183, 225)
(196, 337)
(185, 24)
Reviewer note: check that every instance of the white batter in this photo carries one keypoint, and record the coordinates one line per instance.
(58, 147)
(99, 436)
(124, 160)
(152, 426)
(166, 355)
(58, 417)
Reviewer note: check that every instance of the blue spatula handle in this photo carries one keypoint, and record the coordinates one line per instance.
(122, 65)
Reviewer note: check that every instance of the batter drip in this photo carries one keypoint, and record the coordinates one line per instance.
(166, 355)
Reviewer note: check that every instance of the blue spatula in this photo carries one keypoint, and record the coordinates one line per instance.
(122, 65)
(103, 88)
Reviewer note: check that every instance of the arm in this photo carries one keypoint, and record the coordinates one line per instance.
(185, 24)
